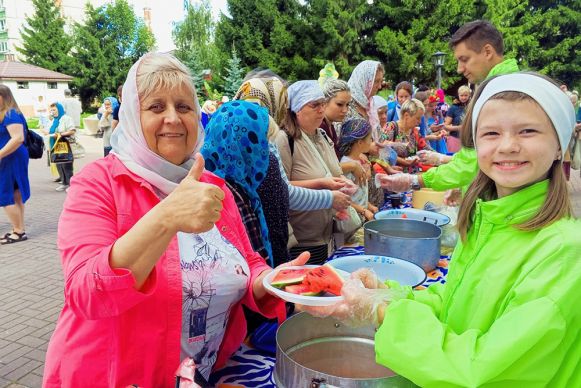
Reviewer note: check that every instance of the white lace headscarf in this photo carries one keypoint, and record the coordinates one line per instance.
(361, 84)
(129, 144)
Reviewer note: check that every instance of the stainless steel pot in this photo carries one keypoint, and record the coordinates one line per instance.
(414, 241)
(321, 352)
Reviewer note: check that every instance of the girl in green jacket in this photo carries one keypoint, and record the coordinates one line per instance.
(509, 314)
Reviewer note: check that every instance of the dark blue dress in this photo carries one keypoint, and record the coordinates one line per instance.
(14, 167)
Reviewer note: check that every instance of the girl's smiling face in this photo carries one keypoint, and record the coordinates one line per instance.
(516, 144)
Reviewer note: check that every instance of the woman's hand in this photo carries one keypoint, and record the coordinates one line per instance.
(368, 214)
(359, 173)
(332, 183)
(258, 285)
(194, 206)
(452, 197)
(341, 201)
(365, 300)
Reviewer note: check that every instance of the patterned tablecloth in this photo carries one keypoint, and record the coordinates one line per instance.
(249, 367)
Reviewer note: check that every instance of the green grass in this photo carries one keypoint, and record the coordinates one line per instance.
(32, 122)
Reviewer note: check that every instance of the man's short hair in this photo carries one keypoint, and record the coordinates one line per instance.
(476, 35)
(68, 92)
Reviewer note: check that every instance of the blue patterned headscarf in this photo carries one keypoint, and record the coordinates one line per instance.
(351, 131)
(55, 123)
(236, 149)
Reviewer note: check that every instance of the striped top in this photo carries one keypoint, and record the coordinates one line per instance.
(301, 198)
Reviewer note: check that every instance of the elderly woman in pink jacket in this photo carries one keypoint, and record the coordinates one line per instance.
(156, 260)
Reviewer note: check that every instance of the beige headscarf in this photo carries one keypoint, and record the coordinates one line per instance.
(269, 92)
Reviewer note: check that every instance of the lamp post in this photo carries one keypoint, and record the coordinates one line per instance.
(439, 62)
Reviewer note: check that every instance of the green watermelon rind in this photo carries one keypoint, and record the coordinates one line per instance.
(289, 281)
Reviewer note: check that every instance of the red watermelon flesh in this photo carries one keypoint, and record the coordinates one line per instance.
(287, 277)
(324, 279)
(301, 289)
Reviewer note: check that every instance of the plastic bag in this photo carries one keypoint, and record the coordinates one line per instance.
(449, 232)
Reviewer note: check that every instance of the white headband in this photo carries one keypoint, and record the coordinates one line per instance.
(552, 99)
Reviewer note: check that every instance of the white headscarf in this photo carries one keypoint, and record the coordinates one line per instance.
(554, 102)
(361, 83)
(130, 147)
(302, 92)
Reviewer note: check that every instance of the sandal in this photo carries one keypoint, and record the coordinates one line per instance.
(9, 240)
(7, 235)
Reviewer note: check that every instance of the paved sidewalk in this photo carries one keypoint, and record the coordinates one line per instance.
(31, 282)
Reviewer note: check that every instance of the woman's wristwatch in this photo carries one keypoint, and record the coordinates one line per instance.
(415, 183)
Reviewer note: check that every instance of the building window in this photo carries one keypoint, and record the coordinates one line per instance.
(2, 24)
(22, 85)
(51, 85)
(3, 47)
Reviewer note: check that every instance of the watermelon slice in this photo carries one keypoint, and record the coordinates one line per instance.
(286, 277)
(324, 279)
(301, 289)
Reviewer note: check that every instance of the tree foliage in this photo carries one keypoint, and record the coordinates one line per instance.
(44, 40)
(110, 40)
(195, 45)
(234, 75)
(296, 38)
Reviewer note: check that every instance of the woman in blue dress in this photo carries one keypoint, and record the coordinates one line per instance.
(14, 186)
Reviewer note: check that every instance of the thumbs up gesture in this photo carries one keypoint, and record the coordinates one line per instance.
(194, 206)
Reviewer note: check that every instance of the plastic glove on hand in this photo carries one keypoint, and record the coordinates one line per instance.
(452, 197)
(430, 157)
(396, 182)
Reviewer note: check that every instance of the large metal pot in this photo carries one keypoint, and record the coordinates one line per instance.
(322, 352)
(414, 241)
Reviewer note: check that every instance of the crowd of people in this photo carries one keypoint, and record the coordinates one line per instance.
(166, 240)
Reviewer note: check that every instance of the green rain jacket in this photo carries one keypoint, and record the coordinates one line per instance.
(462, 169)
(509, 314)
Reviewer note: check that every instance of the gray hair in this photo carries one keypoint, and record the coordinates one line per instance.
(412, 107)
(68, 92)
(332, 87)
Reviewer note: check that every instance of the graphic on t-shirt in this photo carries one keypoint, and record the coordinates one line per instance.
(214, 278)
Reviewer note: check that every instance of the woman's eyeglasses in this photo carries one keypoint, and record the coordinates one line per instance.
(317, 104)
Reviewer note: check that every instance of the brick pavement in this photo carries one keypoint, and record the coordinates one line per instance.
(31, 283)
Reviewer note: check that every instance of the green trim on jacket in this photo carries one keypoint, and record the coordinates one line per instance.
(509, 314)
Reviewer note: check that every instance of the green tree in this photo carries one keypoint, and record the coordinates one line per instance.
(234, 75)
(267, 33)
(194, 40)
(44, 41)
(110, 40)
(543, 36)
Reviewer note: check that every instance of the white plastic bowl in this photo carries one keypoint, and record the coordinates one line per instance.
(386, 268)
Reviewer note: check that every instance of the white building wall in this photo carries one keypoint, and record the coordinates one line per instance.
(26, 98)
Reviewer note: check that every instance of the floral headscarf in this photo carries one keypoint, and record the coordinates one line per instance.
(361, 84)
(236, 149)
(270, 92)
(130, 147)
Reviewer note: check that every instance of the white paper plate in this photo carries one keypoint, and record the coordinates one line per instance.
(386, 268)
(414, 214)
(301, 299)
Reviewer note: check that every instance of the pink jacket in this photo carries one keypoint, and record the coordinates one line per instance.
(108, 333)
